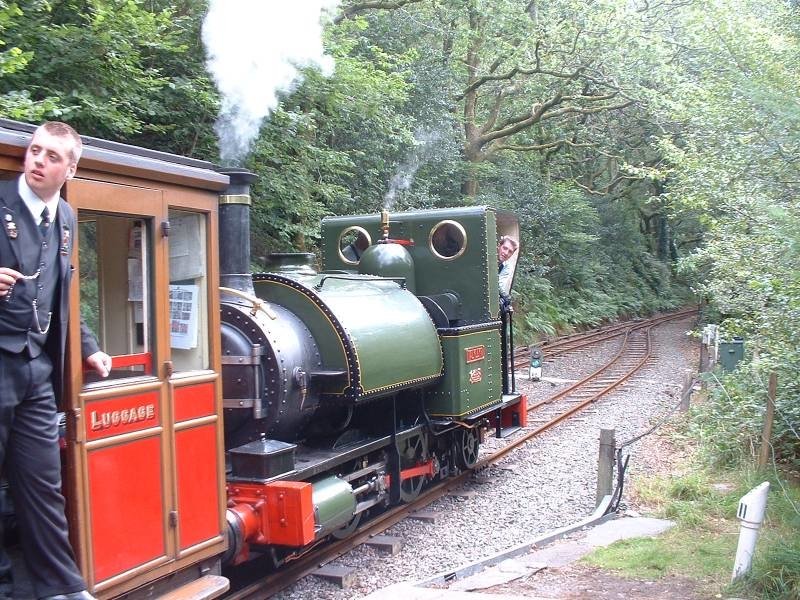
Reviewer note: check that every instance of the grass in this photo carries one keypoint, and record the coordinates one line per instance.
(702, 556)
(702, 545)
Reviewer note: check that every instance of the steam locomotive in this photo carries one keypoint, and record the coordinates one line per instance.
(282, 407)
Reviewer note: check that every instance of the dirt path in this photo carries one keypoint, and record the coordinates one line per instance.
(581, 582)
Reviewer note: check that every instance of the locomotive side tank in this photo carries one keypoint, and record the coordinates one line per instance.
(368, 323)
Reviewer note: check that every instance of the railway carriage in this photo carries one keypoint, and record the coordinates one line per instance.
(256, 414)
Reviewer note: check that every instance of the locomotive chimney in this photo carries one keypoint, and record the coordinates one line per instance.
(234, 232)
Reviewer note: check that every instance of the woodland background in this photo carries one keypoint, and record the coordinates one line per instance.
(651, 148)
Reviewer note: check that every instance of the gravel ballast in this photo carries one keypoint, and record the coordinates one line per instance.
(547, 483)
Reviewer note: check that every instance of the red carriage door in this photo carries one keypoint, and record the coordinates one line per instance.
(145, 483)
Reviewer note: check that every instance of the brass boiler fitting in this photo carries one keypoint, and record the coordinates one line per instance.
(385, 223)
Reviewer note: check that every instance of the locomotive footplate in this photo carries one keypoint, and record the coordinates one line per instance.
(307, 462)
(507, 416)
(310, 462)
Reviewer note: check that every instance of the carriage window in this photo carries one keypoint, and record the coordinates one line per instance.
(188, 290)
(115, 281)
(448, 240)
(352, 243)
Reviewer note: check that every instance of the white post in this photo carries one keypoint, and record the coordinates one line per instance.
(751, 514)
(714, 349)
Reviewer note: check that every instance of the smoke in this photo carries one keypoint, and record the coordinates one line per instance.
(254, 49)
(424, 142)
(401, 181)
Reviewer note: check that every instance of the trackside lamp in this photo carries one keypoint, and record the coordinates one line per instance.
(535, 368)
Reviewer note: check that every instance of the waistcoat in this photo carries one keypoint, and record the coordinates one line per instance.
(17, 318)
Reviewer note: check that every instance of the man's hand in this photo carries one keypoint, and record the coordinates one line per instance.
(100, 362)
(505, 303)
(8, 277)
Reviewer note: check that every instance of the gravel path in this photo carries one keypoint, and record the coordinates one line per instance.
(547, 483)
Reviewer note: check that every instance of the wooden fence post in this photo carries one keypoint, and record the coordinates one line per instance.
(769, 417)
(605, 464)
(686, 390)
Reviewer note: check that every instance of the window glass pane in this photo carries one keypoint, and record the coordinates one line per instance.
(188, 290)
(115, 284)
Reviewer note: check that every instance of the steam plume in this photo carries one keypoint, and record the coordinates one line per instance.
(254, 49)
(424, 142)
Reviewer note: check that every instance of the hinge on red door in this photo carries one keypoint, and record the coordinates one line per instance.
(169, 368)
(173, 518)
(72, 418)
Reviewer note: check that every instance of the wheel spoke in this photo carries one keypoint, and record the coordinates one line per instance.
(413, 451)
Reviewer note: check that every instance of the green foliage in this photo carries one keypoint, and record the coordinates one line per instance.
(293, 184)
(733, 165)
(96, 58)
(324, 150)
(583, 262)
(703, 543)
(17, 104)
(731, 422)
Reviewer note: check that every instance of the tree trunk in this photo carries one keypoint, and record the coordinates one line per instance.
(470, 187)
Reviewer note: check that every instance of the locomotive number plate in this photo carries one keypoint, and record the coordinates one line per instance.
(475, 354)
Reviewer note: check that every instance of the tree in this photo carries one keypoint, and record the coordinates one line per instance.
(94, 63)
(735, 163)
(17, 104)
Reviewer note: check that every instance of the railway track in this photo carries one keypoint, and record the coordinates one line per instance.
(578, 341)
(634, 352)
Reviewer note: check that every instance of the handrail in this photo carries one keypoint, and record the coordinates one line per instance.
(258, 303)
(401, 281)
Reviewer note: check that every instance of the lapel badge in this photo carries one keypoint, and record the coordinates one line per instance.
(11, 227)
(64, 241)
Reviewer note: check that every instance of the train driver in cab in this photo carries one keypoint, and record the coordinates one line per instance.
(35, 251)
(505, 250)
(355, 248)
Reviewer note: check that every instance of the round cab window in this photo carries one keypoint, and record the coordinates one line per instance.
(352, 243)
(448, 240)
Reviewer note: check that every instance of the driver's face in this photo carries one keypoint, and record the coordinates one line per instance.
(505, 251)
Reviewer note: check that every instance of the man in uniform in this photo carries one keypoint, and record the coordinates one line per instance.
(35, 250)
